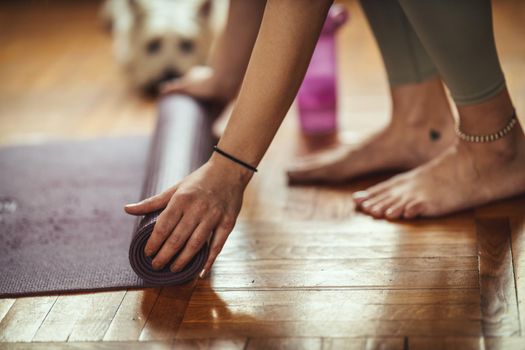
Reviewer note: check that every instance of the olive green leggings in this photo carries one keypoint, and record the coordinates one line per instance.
(450, 38)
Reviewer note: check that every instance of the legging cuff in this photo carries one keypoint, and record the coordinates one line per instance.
(481, 96)
(412, 79)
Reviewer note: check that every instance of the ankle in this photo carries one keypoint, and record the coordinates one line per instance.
(421, 105)
(487, 117)
(502, 151)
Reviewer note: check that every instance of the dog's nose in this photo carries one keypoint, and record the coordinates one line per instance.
(170, 74)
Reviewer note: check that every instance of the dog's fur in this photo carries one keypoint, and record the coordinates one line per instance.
(159, 40)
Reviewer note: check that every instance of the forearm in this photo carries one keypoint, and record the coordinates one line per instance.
(282, 52)
(207, 202)
(236, 42)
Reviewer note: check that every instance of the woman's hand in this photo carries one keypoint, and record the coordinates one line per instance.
(203, 83)
(205, 203)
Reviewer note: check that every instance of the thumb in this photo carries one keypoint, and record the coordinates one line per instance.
(151, 204)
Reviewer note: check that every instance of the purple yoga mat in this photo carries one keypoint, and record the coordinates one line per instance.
(62, 225)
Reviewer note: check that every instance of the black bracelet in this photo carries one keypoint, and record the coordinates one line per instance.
(232, 158)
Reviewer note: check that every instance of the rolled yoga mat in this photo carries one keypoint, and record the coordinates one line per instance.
(181, 143)
(62, 225)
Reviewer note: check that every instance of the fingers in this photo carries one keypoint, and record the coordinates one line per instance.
(195, 243)
(189, 83)
(219, 239)
(163, 228)
(191, 213)
(174, 86)
(174, 242)
(150, 204)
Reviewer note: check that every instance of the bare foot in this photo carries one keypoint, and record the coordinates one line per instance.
(421, 128)
(466, 175)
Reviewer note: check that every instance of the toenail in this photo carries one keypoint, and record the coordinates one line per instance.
(360, 194)
(366, 204)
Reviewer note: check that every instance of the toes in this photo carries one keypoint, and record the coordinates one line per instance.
(414, 209)
(374, 191)
(395, 211)
(368, 203)
(378, 210)
(360, 197)
(398, 197)
(369, 196)
(377, 206)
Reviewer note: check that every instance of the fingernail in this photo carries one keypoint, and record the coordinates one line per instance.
(202, 274)
(174, 268)
(130, 205)
(148, 252)
(155, 265)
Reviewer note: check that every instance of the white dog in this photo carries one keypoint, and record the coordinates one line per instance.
(159, 40)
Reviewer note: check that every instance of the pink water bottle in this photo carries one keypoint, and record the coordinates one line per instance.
(317, 96)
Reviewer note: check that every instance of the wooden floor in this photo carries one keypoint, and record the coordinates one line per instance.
(302, 269)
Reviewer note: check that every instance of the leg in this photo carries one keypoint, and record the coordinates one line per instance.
(461, 43)
(421, 116)
(406, 60)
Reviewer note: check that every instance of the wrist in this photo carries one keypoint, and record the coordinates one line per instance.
(229, 170)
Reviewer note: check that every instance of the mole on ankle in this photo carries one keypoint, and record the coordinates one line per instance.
(434, 135)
